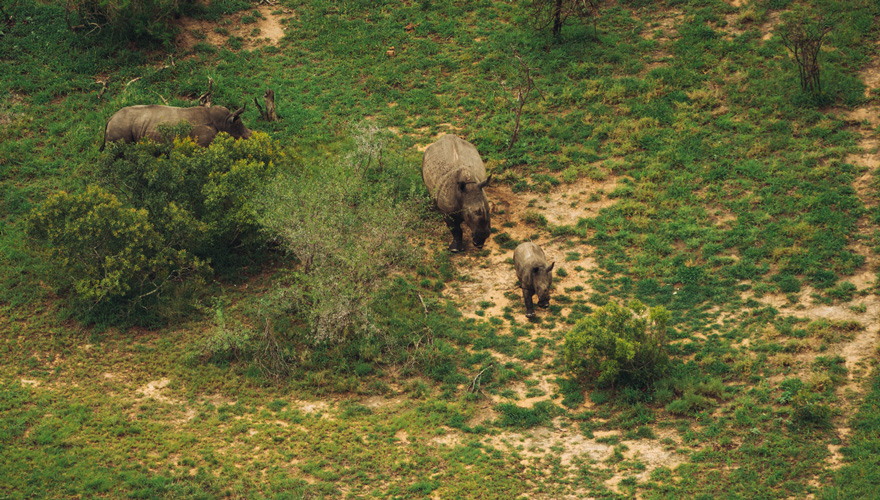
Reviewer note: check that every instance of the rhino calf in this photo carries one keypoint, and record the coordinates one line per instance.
(134, 123)
(533, 274)
(455, 177)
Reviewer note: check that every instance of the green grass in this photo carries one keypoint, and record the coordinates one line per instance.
(858, 478)
(725, 185)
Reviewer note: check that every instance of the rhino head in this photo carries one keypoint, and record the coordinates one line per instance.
(234, 126)
(475, 209)
(541, 281)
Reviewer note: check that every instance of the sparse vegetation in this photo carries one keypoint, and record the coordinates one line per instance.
(671, 160)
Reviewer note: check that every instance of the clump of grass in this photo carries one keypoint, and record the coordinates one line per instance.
(514, 416)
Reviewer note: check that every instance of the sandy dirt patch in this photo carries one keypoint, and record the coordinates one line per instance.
(490, 277)
(266, 28)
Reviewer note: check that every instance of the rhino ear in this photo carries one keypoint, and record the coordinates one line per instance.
(234, 116)
(485, 182)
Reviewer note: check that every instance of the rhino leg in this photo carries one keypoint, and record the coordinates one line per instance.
(454, 225)
(530, 307)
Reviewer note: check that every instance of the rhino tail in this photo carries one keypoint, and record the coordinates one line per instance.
(104, 142)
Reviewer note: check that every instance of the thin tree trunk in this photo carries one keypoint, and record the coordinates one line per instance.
(557, 18)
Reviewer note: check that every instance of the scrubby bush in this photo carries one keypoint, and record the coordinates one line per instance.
(108, 253)
(128, 19)
(619, 345)
(158, 218)
(348, 233)
(215, 186)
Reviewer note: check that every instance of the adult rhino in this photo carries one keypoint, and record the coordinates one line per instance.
(455, 177)
(533, 274)
(134, 123)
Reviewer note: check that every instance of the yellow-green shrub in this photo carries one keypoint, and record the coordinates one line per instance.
(106, 252)
(158, 216)
(619, 345)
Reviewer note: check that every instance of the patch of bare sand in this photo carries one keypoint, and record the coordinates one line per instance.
(767, 29)
(871, 76)
(569, 445)
(311, 406)
(153, 390)
(265, 29)
(492, 276)
(663, 28)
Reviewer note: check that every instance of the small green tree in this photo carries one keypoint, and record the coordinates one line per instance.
(802, 35)
(554, 13)
(349, 235)
(215, 186)
(158, 217)
(619, 345)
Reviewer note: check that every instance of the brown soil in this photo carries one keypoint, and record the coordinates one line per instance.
(492, 276)
(773, 20)
(265, 30)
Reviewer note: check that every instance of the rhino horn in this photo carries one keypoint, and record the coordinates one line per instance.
(485, 182)
(551, 266)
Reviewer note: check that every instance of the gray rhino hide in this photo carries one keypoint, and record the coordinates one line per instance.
(446, 163)
(526, 257)
(134, 123)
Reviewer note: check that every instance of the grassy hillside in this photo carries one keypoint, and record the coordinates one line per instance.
(668, 155)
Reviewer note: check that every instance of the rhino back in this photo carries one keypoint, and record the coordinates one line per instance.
(133, 123)
(447, 162)
(527, 256)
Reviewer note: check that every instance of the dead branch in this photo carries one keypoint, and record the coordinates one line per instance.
(160, 97)
(423, 303)
(475, 385)
(205, 99)
(523, 90)
(269, 97)
(103, 84)
(132, 81)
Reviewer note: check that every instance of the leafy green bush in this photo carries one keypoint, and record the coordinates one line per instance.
(215, 187)
(127, 19)
(159, 214)
(619, 345)
(108, 253)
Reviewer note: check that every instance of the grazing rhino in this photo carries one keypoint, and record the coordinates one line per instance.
(455, 177)
(134, 123)
(533, 274)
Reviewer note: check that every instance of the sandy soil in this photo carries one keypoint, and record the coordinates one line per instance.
(265, 30)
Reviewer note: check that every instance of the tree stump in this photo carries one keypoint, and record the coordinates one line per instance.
(268, 114)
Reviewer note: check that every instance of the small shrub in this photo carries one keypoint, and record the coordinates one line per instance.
(535, 219)
(690, 404)
(617, 344)
(807, 409)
